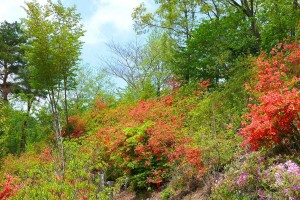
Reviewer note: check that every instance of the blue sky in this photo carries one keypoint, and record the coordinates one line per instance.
(103, 20)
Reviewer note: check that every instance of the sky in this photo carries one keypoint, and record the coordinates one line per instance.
(103, 20)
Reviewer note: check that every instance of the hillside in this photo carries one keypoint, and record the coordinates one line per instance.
(210, 110)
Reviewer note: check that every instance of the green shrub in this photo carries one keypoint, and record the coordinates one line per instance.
(166, 194)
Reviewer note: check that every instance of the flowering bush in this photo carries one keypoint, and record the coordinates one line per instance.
(76, 127)
(274, 111)
(259, 178)
(146, 140)
(40, 176)
(284, 178)
(9, 188)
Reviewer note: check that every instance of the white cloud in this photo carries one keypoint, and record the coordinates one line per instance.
(106, 19)
(11, 10)
(112, 18)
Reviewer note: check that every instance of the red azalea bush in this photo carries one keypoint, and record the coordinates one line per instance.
(9, 188)
(274, 112)
(76, 126)
(146, 140)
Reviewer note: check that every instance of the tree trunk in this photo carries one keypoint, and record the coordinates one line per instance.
(24, 127)
(66, 108)
(5, 87)
(254, 28)
(58, 130)
(187, 36)
(23, 136)
(295, 9)
(158, 88)
(247, 7)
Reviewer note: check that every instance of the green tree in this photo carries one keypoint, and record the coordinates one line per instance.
(156, 60)
(250, 9)
(209, 35)
(217, 45)
(280, 21)
(11, 39)
(270, 21)
(24, 92)
(91, 84)
(52, 53)
(175, 18)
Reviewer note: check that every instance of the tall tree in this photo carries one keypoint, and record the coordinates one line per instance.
(250, 9)
(217, 44)
(243, 28)
(209, 35)
(157, 61)
(126, 63)
(177, 18)
(279, 21)
(91, 84)
(269, 21)
(68, 30)
(141, 66)
(11, 39)
(27, 94)
(52, 53)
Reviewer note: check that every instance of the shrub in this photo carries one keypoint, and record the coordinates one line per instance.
(147, 141)
(9, 188)
(41, 177)
(256, 177)
(166, 194)
(274, 109)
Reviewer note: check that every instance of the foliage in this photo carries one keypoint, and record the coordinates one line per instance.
(11, 55)
(214, 121)
(280, 21)
(12, 128)
(52, 53)
(157, 59)
(4, 128)
(53, 49)
(91, 84)
(274, 109)
(255, 176)
(209, 35)
(222, 47)
(166, 194)
(54, 46)
(176, 20)
(147, 140)
(38, 175)
(140, 65)
(9, 188)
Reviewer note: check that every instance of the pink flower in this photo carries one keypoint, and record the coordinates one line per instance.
(242, 179)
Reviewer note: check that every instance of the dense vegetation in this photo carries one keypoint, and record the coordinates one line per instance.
(212, 104)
